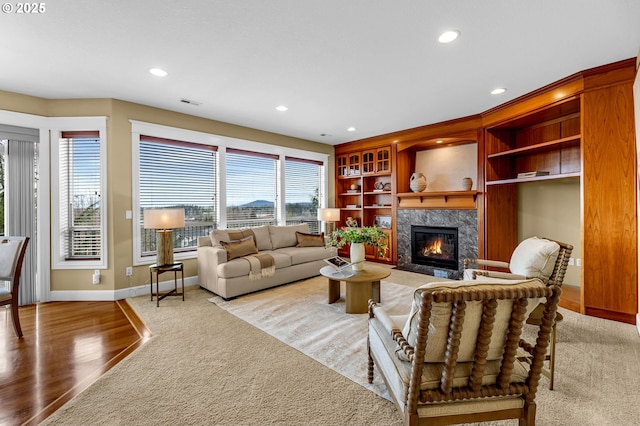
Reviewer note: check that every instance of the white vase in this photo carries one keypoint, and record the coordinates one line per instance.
(357, 255)
(418, 182)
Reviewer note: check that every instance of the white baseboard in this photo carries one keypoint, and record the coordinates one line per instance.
(109, 295)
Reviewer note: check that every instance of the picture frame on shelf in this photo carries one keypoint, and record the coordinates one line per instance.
(383, 221)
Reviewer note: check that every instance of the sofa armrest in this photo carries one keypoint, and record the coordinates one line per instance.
(209, 258)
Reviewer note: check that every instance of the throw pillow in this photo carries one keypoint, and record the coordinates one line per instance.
(227, 235)
(240, 248)
(534, 258)
(310, 240)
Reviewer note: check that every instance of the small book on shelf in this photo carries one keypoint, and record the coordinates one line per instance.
(352, 206)
(532, 174)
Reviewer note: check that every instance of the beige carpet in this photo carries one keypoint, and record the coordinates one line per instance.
(299, 315)
(206, 366)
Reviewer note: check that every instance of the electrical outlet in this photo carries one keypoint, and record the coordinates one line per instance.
(578, 262)
(128, 271)
(571, 261)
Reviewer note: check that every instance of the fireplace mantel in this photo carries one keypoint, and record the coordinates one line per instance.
(438, 200)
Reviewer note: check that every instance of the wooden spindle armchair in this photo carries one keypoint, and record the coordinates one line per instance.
(534, 257)
(453, 359)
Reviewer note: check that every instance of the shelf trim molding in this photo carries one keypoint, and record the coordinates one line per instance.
(438, 200)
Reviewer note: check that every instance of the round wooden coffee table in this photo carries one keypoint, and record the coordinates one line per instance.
(361, 286)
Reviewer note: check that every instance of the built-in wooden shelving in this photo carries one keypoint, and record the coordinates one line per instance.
(538, 148)
(535, 178)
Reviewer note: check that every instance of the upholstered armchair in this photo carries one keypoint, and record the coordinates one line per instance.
(534, 257)
(12, 251)
(453, 358)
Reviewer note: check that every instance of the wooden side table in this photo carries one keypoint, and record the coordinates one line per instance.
(161, 269)
(361, 286)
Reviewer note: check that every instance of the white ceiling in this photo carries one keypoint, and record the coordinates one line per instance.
(375, 65)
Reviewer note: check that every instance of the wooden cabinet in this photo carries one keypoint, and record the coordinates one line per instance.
(376, 161)
(580, 128)
(365, 192)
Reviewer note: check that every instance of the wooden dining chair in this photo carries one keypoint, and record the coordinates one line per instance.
(12, 252)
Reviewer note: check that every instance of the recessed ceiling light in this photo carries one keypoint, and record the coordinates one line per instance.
(351, 129)
(281, 108)
(448, 36)
(498, 91)
(158, 72)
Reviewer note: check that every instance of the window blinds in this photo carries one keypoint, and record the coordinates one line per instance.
(303, 184)
(251, 188)
(176, 174)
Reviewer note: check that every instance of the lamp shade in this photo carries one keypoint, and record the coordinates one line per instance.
(163, 218)
(329, 214)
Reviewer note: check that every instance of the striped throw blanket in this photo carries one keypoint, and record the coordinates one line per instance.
(262, 265)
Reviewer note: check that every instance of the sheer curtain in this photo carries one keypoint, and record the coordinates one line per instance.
(20, 202)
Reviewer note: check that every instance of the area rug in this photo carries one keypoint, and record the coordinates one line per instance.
(298, 314)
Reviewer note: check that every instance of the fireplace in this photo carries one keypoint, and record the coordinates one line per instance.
(435, 246)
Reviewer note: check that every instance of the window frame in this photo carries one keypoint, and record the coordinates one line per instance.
(77, 124)
(222, 143)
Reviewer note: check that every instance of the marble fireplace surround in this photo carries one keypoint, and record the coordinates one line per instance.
(465, 220)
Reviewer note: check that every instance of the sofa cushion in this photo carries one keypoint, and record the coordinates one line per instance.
(285, 236)
(441, 316)
(263, 239)
(310, 240)
(300, 255)
(240, 267)
(240, 248)
(534, 258)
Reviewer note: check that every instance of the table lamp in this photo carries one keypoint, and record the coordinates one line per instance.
(329, 215)
(164, 221)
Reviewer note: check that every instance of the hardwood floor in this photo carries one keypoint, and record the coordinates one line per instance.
(66, 347)
(570, 298)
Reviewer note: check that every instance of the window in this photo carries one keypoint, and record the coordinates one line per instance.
(80, 190)
(175, 174)
(221, 182)
(303, 185)
(78, 201)
(251, 183)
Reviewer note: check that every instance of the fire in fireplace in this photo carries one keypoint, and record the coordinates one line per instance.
(434, 246)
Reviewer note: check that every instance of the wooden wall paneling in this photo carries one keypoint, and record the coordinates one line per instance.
(546, 161)
(405, 163)
(501, 204)
(480, 197)
(570, 160)
(610, 252)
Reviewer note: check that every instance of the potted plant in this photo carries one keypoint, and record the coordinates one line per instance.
(357, 238)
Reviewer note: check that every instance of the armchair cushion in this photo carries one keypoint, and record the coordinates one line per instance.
(441, 317)
(534, 258)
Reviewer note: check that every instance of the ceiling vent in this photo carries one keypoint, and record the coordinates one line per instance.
(190, 102)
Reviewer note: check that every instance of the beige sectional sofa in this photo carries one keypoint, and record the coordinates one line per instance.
(295, 253)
